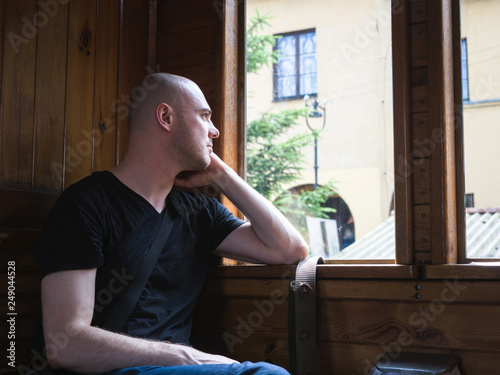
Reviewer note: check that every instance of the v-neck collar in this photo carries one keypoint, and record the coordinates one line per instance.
(172, 199)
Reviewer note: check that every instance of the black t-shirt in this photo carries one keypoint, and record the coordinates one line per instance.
(100, 223)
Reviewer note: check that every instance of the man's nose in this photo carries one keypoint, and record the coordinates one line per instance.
(213, 131)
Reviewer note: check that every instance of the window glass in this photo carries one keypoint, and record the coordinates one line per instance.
(481, 119)
(295, 70)
(319, 121)
(465, 69)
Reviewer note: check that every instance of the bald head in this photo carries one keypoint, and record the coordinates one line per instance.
(155, 89)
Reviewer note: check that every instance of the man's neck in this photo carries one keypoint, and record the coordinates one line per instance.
(152, 183)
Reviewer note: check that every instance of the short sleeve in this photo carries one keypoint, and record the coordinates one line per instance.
(72, 237)
(223, 223)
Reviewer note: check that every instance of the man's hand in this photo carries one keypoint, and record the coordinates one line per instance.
(212, 175)
(193, 356)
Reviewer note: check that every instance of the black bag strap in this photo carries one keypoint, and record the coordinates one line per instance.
(124, 306)
(302, 318)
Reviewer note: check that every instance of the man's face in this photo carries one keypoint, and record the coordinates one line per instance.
(196, 130)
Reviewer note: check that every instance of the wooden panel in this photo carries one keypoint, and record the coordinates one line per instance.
(423, 236)
(242, 92)
(246, 329)
(16, 204)
(50, 100)
(459, 132)
(253, 288)
(402, 134)
(376, 289)
(197, 45)
(358, 321)
(421, 185)
(103, 135)
(324, 271)
(201, 15)
(452, 290)
(460, 291)
(178, 62)
(133, 62)
(17, 245)
(227, 90)
(419, 76)
(422, 233)
(481, 271)
(419, 99)
(422, 143)
(18, 81)
(418, 11)
(422, 213)
(436, 324)
(418, 34)
(441, 124)
(80, 90)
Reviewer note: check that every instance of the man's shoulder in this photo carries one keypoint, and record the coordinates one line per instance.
(193, 202)
(91, 188)
(193, 195)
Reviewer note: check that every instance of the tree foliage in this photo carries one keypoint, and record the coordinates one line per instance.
(274, 157)
(260, 51)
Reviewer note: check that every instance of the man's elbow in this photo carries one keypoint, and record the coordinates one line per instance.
(62, 354)
(57, 359)
(297, 253)
(64, 360)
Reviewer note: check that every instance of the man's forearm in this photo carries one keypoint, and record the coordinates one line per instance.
(268, 223)
(91, 350)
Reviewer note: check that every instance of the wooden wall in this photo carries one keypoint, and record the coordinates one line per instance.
(364, 314)
(65, 85)
(67, 70)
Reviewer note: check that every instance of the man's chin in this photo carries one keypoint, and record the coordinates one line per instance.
(203, 165)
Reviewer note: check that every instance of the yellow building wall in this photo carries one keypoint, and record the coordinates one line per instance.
(354, 65)
(355, 77)
(482, 116)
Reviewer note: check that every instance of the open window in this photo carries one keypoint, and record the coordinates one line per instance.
(320, 114)
(481, 116)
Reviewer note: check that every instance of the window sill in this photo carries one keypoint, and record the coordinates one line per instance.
(471, 271)
(324, 271)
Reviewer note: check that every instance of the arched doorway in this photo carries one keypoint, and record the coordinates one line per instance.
(343, 216)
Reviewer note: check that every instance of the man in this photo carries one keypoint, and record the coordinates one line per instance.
(101, 228)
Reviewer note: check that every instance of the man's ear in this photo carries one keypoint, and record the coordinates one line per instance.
(164, 115)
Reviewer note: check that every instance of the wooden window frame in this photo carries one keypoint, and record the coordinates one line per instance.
(437, 27)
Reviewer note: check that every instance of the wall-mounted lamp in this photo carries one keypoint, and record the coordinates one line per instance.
(315, 113)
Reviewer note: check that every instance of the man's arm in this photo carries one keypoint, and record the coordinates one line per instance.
(72, 343)
(268, 238)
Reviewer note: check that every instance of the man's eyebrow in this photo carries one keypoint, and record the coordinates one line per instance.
(205, 110)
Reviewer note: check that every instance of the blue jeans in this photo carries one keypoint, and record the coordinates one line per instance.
(245, 368)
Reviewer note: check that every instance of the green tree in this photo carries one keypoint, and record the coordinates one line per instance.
(260, 46)
(274, 158)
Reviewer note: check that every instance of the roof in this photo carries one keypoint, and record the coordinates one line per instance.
(482, 234)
